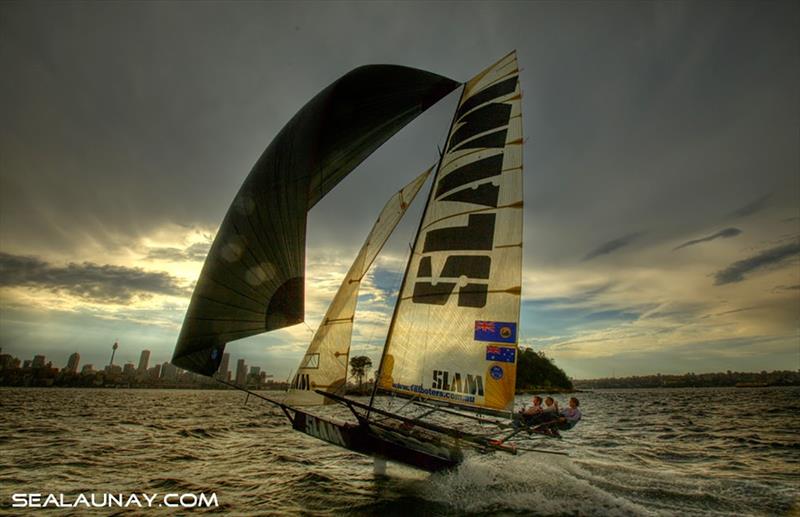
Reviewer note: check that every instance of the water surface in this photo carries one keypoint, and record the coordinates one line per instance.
(646, 452)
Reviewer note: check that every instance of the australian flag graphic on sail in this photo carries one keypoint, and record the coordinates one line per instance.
(503, 354)
(496, 331)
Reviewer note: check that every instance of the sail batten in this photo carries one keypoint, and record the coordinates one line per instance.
(453, 335)
(324, 367)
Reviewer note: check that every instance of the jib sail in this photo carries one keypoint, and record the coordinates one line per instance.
(453, 336)
(324, 367)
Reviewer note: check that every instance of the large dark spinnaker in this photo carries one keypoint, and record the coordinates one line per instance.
(253, 277)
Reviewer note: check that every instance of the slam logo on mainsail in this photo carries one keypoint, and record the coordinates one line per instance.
(490, 120)
(445, 381)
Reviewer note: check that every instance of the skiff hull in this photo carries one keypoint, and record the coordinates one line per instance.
(392, 443)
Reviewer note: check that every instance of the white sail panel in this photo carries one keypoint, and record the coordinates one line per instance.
(453, 336)
(324, 367)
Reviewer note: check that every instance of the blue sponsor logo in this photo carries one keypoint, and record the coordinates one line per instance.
(496, 372)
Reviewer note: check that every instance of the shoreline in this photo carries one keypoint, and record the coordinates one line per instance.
(525, 391)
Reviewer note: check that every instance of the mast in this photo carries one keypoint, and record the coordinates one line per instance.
(413, 247)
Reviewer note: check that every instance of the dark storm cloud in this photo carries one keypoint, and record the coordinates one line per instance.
(724, 234)
(195, 253)
(752, 207)
(110, 113)
(106, 96)
(99, 283)
(770, 257)
(611, 246)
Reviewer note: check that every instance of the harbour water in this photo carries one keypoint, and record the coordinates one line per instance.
(646, 452)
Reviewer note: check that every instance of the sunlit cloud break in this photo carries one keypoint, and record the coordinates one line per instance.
(736, 271)
(722, 234)
(193, 253)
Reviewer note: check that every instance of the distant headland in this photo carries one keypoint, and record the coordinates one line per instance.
(697, 380)
(537, 373)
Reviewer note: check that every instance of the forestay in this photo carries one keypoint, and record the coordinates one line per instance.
(453, 336)
(324, 367)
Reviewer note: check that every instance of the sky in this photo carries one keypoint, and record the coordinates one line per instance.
(662, 170)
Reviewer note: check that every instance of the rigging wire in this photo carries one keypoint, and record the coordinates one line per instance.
(395, 288)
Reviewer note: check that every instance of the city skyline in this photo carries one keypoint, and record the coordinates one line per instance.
(662, 193)
(74, 364)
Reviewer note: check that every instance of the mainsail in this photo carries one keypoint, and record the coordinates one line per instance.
(324, 367)
(453, 335)
(253, 277)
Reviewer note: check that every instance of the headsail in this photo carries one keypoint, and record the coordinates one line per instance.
(453, 336)
(253, 277)
(324, 367)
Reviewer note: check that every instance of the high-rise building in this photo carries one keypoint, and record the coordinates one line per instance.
(5, 361)
(169, 372)
(255, 370)
(38, 361)
(113, 370)
(72, 363)
(128, 369)
(241, 372)
(223, 373)
(155, 371)
(144, 361)
(87, 369)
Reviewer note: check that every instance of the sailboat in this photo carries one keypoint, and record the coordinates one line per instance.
(452, 343)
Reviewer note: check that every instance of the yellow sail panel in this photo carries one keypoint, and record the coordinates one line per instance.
(324, 367)
(454, 333)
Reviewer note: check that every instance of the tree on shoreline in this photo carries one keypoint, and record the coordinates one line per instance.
(359, 366)
(537, 371)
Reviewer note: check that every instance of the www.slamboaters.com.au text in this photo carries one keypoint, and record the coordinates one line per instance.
(107, 500)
